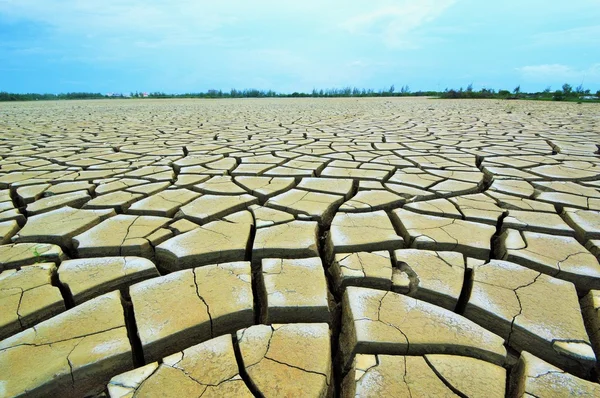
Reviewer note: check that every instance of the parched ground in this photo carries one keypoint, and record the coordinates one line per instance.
(299, 248)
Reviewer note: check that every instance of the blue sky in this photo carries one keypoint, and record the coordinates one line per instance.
(195, 45)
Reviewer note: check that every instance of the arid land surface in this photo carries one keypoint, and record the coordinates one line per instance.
(299, 247)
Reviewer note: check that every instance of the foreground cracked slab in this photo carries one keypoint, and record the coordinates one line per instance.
(435, 277)
(28, 297)
(585, 223)
(164, 204)
(7, 230)
(295, 239)
(559, 256)
(71, 355)
(532, 377)
(379, 322)
(294, 291)
(315, 206)
(364, 269)
(212, 207)
(123, 235)
(19, 254)
(288, 360)
(73, 199)
(444, 234)
(354, 232)
(532, 311)
(537, 222)
(183, 308)
(61, 225)
(208, 369)
(590, 309)
(86, 278)
(218, 241)
(423, 376)
(265, 187)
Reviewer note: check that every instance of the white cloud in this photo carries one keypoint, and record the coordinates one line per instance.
(191, 20)
(97, 17)
(545, 70)
(396, 23)
(577, 36)
(240, 43)
(561, 73)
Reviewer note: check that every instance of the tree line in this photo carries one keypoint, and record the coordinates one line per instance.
(566, 93)
(5, 96)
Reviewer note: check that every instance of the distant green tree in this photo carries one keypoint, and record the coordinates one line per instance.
(517, 90)
(567, 89)
(559, 95)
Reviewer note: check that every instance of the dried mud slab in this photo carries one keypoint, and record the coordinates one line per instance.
(27, 297)
(444, 234)
(353, 232)
(379, 322)
(532, 377)
(294, 291)
(208, 369)
(72, 354)
(73, 199)
(585, 223)
(364, 269)
(295, 239)
(389, 246)
(183, 308)
(61, 225)
(372, 200)
(319, 207)
(19, 254)
(218, 241)
(532, 311)
(123, 235)
(213, 207)
(559, 256)
(532, 221)
(265, 187)
(265, 216)
(7, 230)
(435, 277)
(423, 376)
(163, 204)
(288, 360)
(590, 310)
(86, 278)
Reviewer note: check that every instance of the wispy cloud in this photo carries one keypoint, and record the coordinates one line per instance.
(183, 45)
(560, 72)
(116, 15)
(396, 24)
(577, 36)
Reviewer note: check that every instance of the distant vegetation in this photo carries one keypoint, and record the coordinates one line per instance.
(567, 93)
(4, 96)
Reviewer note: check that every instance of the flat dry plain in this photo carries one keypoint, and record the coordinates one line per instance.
(299, 248)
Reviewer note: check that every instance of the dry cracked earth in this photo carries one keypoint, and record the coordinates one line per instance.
(299, 248)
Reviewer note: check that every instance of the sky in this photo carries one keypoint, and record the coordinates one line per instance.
(178, 46)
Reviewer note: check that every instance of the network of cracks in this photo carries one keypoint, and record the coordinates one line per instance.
(326, 248)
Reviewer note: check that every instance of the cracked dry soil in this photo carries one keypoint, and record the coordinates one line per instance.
(299, 247)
